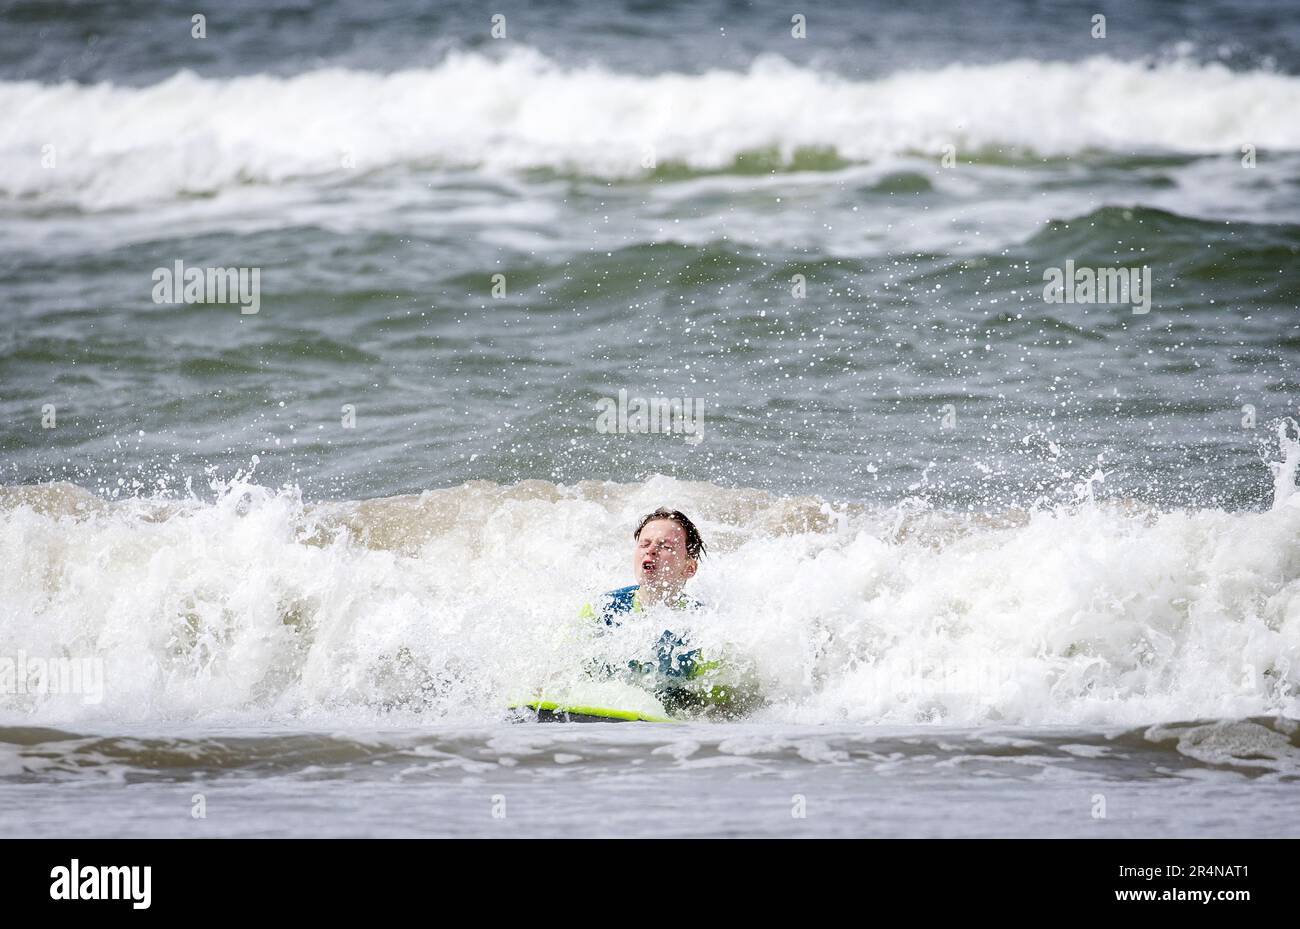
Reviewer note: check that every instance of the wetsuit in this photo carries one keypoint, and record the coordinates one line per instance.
(675, 663)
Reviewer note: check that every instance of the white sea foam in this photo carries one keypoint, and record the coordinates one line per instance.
(119, 146)
(258, 607)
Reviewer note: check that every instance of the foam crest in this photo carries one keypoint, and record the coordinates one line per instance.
(257, 606)
(118, 146)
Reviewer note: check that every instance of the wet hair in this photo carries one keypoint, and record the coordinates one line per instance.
(694, 544)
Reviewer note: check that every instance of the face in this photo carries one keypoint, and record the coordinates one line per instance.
(661, 559)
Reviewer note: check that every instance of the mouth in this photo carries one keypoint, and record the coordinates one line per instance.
(648, 566)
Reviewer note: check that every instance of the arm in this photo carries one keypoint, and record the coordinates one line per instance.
(697, 686)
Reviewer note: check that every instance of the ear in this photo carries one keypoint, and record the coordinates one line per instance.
(691, 567)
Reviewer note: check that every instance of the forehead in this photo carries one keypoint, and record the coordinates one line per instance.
(660, 529)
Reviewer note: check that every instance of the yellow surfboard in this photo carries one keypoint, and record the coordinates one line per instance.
(594, 701)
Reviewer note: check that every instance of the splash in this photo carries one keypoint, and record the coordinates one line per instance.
(258, 606)
(1284, 471)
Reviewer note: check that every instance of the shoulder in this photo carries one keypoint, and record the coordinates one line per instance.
(622, 600)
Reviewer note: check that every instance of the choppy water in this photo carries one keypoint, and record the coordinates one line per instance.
(935, 502)
(629, 780)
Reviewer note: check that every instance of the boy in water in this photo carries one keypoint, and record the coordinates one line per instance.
(667, 554)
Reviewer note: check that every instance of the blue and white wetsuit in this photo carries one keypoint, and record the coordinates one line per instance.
(673, 658)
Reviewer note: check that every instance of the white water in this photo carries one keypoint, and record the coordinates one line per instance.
(257, 608)
(120, 146)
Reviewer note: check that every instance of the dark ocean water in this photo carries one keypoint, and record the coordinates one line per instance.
(379, 166)
(915, 471)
